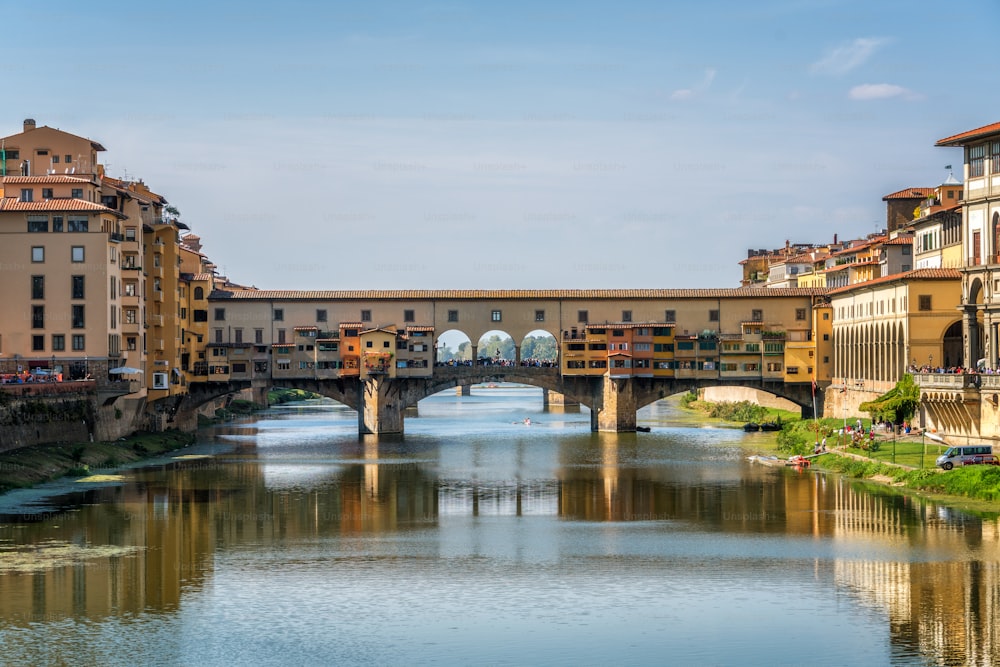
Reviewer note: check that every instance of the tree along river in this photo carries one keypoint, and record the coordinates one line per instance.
(477, 538)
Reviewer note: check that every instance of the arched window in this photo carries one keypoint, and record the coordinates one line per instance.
(199, 293)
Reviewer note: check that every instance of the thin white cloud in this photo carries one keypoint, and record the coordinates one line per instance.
(880, 91)
(842, 59)
(688, 93)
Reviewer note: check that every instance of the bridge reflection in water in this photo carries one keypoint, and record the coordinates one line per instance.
(144, 548)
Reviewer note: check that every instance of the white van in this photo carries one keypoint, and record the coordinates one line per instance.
(960, 456)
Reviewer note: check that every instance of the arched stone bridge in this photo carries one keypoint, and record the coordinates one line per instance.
(381, 402)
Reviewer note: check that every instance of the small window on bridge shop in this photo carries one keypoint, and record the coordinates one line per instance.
(663, 347)
(617, 332)
(793, 370)
(284, 365)
(576, 364)
(576, 347)
(598, 346)
(598, 364)
(663, 331)
(329, 347)
(751, 367)
(774, 367)
(663, 365)
(239, 368)
(685, 345)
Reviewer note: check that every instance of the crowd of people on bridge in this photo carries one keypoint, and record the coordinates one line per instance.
(498, 361)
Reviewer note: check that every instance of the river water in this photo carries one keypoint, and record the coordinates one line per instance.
(476, 538)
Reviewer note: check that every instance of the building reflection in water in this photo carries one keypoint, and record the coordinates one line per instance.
(940, 595)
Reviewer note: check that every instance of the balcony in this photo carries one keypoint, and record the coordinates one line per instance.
(155, 320)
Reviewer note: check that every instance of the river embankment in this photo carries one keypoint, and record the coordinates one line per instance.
(28, 466)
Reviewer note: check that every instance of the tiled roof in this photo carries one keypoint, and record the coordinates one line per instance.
(44, 180)
(918, 274)
(15, 204)
(592, 294)
(351, 325)
(899, 240)
(419, 328)
(910, 193)
(203, 276)
(961, 138)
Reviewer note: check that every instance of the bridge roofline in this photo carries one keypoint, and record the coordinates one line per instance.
(588, 294)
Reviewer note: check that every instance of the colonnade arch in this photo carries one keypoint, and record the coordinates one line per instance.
(870, 351)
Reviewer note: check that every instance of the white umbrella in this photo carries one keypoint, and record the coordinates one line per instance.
(124, 370)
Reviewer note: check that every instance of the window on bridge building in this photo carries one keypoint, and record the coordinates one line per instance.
(321, 314)
(670, 316)
(800, 313)
(626, 316)
(408, 316)
(453, 316)
(582, 316)
(539, 315)
(279, 314)
(713, 315)
(924, 302)
(757, 315)
(496, 316)
(366, 316)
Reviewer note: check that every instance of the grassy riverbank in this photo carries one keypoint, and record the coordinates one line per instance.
(28, 466)
(906, 463)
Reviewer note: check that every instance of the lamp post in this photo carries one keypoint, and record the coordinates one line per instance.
(930, 362)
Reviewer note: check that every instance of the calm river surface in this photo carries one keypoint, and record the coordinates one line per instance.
(478, 539)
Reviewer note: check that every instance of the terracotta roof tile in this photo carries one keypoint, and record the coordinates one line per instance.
(591, 294)
(910, 193)
(918, 274)
(419, 328)
(899, 240)
(44, 180)
(15, 204)
(962, 137)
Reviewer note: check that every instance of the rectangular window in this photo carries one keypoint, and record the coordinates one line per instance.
(670, 316)
(130, 343)
(321, 315)
(77, 223)
(539, 315)
(220, 314)
(38, 223)
(800, 314)
(37, 253)
(78, 317)
(27, 194)
(77, 287)
(78, 342)
(409, 316)
(37, 343)
(57, 223)
(453, 316)
(258, 336)
(366, 316)
(77, 254)
(924, 302)
(713, 316)
(58, 342)
(281, 336)
(496, 316)
(37, 287)
(279, 314)
(76, 193)
(626, 316)
(826, 336)
(218, 335)
(130, 316)
(582, 316)
(38, 317)
(977, 158)
(237, 335)
(130, 233)
(757, 315)
(46, 193)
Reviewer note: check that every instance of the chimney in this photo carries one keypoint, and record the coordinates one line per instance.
(29, 124)
(834, 239)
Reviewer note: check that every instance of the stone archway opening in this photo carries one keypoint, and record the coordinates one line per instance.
(539, 348)
(496, 348)
(951, 345)
(454, 347)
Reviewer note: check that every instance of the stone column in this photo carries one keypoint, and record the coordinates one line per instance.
(380, 406)
(617, 410)
(464, 390)
(475, 354)
(517, 355)
(970, 335)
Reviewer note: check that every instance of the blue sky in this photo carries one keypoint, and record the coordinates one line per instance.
(446, 145)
